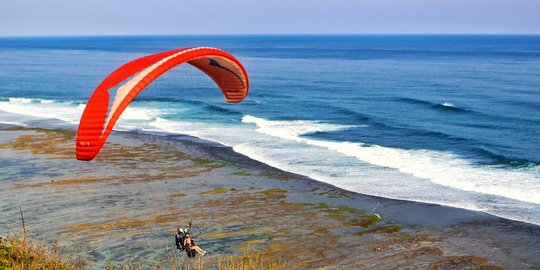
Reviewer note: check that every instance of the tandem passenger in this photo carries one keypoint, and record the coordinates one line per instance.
(189, 244)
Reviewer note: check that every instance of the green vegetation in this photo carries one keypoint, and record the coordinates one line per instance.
(218, 190)
(334, 195)
(242, 174)
(273, 193)
(384, 229)
(208, 163)
(250, 260)
(364, 223)
(19, 254)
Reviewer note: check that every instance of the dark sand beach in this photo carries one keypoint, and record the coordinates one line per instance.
(126, 204)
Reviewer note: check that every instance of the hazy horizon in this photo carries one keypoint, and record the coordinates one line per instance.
(256, 34)
(278, 17)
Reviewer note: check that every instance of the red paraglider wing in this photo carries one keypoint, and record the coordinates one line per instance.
(102, 112)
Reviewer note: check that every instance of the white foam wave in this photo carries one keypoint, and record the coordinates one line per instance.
(140, 113)
(15, 123)
(20, 100)
(30, 100)
(174, 127)
(292, 129)
(26, 106)
(443, 168)
(448, 104)
(70, 111)
(220, 133)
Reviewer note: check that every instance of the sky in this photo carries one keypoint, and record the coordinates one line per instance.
(177, 17)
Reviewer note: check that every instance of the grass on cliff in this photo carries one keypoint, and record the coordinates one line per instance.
(20, 254)
(247, 261)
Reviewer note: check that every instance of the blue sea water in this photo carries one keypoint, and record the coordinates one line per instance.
(451, 120)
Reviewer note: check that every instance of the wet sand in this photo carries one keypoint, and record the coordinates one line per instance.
(125, 205)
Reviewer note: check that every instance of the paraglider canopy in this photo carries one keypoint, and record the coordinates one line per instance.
(108, 101)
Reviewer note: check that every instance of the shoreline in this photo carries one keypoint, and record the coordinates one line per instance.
(434, 216)
(228, 154)
(219, 178)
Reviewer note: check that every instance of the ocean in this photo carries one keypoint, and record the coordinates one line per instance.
(452, 120)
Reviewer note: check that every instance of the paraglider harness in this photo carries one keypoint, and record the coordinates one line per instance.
(179, 240)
